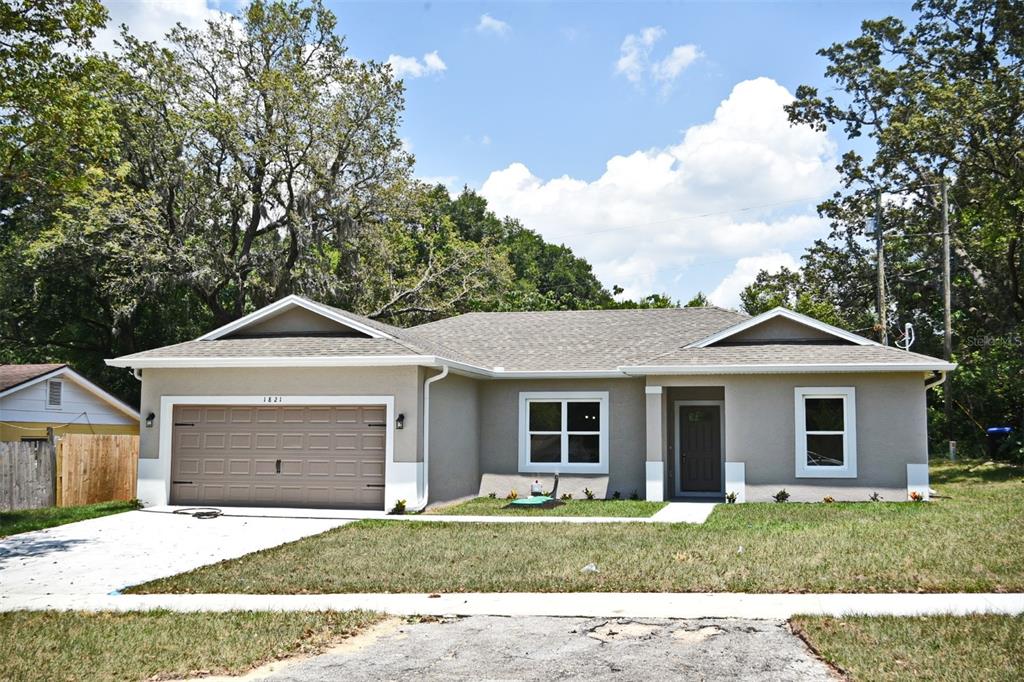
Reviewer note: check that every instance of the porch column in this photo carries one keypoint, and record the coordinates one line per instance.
(655, 464)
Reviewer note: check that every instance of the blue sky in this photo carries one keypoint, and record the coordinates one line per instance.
(616, 128)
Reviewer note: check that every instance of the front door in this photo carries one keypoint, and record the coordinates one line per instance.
(699, 429)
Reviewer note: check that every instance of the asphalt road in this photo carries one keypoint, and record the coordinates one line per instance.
(538, 648)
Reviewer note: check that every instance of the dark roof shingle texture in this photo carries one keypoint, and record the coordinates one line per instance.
(13, 375)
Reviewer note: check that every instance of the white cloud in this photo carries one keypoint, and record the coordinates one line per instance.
(635, 59)
(727, 293)
(655, 212)
(635, 52)
(489, 24)
(152, 19)
(485, 140)
(413, 67)
(669, 68)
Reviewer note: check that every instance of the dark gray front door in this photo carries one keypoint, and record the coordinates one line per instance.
(700, 448)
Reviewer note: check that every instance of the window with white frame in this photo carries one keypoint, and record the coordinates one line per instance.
(563, 432)
(826, 432)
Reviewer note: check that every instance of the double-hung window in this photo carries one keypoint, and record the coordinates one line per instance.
(826, 432)
(563, 432)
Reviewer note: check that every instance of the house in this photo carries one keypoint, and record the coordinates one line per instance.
(301, 404)
(36, 397)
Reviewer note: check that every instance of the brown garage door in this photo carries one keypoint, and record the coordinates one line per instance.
(298, 456)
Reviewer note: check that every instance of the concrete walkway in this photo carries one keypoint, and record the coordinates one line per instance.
(112, 552)
(673, 512)
(580, 604)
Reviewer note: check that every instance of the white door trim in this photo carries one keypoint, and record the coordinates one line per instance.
(677, 428)
(162, 465)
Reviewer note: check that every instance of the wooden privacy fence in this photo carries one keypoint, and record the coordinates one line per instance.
(27, 472)
(76, 469)
(96, 468)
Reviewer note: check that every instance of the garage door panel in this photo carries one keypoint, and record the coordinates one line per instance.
(373, 441)
(316, 456)
(213, 415)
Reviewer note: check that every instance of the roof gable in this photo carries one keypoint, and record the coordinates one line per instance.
(781, 325)
(63, 372)
(297, 316)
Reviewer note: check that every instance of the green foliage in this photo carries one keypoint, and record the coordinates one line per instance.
(698, 301)
(941, 98)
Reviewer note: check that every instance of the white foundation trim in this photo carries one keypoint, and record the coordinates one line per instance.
(402, 481)
(655, 482)
(736, 480)
(653, 390)
(917, 480)
(154, 482)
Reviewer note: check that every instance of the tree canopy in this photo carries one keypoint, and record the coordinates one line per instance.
(941, 100)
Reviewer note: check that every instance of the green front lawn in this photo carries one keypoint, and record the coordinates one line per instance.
(955, 648)
(24, 520)
(83, 647)
(487, 506)
(968, 541)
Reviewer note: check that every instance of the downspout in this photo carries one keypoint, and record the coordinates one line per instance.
(938, 378)
(137, 373)
(425, 471)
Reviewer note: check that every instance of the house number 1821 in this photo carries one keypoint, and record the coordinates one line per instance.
(272, 399)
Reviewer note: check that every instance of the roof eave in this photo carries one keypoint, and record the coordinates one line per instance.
(790, 368)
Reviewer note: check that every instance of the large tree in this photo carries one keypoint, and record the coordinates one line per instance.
(941, 101)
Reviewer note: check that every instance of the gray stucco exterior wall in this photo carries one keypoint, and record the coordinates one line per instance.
(454, 438)
(499, 427)
(401, 382)
(760, 431)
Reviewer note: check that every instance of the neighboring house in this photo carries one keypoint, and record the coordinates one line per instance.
(36, 397)
(301, 404)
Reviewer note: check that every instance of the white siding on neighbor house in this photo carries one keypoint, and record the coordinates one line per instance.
(30, 405)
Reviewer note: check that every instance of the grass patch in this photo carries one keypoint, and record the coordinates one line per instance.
(968, 541)
(954, 648)
(24, 520)
(50, 645)
(486, 506)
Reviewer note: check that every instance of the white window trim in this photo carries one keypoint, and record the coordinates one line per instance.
(564, 467)
(848, 396)
(49, 405)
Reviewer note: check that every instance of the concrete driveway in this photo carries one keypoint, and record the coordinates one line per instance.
(110, 553)
(537, 648)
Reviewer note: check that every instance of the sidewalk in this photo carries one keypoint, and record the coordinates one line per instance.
(592, 605)
(673, 512)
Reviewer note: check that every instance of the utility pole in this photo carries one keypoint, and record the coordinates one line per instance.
(947, 312)
(880, 261)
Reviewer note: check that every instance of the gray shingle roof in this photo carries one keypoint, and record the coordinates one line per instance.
(550, 341)
(788, 354)
(573, 340)
(277, 346)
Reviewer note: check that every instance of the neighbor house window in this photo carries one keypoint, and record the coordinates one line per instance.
(54, 393)
(826, 435)
(563, 432)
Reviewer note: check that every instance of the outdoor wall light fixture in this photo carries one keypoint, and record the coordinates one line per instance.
(149, 420)
(400, 422)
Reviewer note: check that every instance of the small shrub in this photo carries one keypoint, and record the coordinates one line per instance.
(399, 507)
(635, 496)
(588, 493)
(546, 493)
(828, 499)
(874, 497)
(512, 495)
(616, 495)
(566, 497)
(916, 496)
(492, 495)
(731, 498)
(781, 496)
